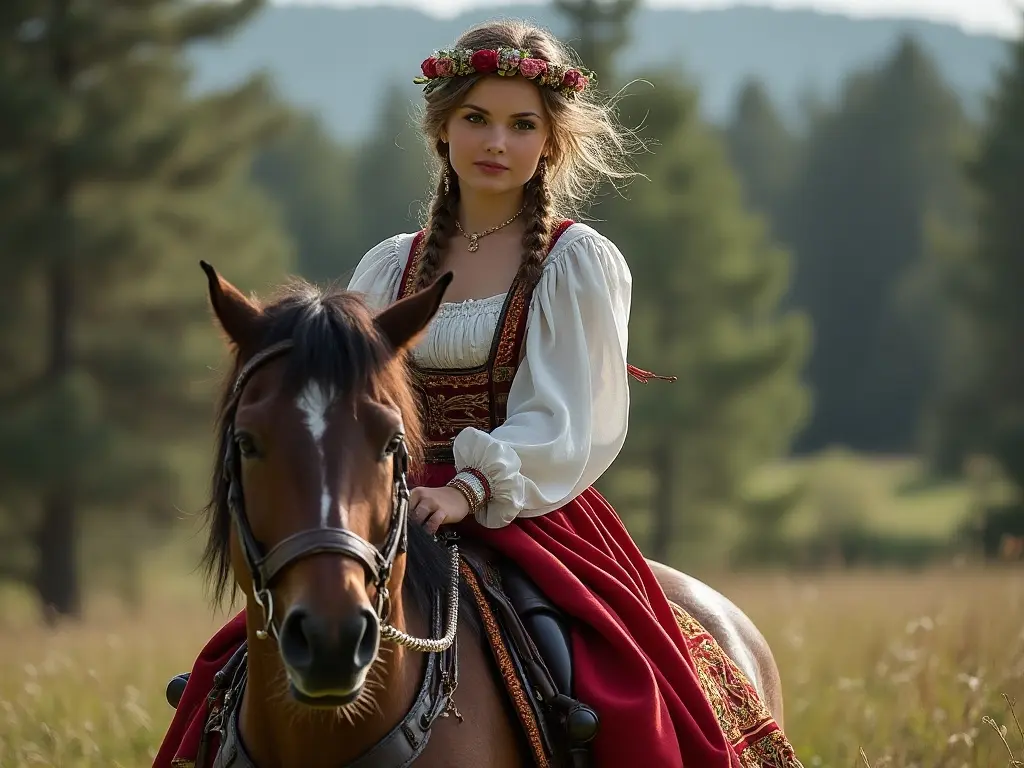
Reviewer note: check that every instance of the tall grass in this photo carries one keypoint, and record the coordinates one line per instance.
(887, 670)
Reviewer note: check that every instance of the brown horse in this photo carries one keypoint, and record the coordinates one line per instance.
(318, 428)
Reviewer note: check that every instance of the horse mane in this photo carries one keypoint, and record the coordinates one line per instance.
(335, 344)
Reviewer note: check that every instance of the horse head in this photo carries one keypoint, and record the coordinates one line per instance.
(309, 511)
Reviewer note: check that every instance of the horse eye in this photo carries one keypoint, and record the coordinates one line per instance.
(393, 445)
(246, 445)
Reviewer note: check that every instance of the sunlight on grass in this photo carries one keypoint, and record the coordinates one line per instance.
(907, 668)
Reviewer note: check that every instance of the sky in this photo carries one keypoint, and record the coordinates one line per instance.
(1000, 17)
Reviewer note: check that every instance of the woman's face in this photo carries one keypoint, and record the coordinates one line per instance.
(498, 135)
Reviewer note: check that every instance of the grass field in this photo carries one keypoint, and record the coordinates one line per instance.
(904, 666)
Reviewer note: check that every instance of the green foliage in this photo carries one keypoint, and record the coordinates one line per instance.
(879, 170)
(982, 406)
(392, 175)
(312, 179)
(339, 201)
(599, 31)
(763, 151)
(707, 281)
(113, 184)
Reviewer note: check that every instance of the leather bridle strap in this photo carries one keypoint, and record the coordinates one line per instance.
(315, 541)
(265, 567)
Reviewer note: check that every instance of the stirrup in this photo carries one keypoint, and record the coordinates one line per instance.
(581, 726)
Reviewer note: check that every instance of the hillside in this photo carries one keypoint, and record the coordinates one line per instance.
(315, 53)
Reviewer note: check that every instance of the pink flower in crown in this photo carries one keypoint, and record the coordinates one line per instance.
(530, 68)
(574, 80)
(444, 67)
(429, 67)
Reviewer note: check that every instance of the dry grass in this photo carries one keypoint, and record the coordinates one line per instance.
(897, 671)
(904, 667)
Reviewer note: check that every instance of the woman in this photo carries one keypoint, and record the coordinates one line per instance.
(523, 374)
(524, 377)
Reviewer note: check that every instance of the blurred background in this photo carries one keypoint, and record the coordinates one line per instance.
(828, 251)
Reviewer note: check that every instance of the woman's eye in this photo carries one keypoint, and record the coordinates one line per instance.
(474, 118)
(525, 125)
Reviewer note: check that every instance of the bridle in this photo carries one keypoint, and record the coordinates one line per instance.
(407, 740)
(265, 566)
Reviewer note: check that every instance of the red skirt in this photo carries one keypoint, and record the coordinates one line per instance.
(631, 662)
(630, 659)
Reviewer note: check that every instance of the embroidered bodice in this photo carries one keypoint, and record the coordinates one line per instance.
(541, 429)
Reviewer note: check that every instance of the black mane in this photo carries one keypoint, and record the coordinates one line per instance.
(335, 344)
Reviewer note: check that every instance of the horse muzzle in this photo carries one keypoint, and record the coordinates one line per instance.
(327, 660)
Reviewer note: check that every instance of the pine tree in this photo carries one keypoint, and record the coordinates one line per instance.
(982, 404)
(599, 30)
(879, 171)
(114, 183)
(392, 173)
(763, 151)
(706, 284)
(312, 178)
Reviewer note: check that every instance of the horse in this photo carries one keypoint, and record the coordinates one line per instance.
(360, 627)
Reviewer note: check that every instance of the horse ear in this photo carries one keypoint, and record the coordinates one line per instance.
(406, 319)
(237, 315)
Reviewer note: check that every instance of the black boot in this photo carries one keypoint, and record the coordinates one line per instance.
(549, 630)
(175, 688)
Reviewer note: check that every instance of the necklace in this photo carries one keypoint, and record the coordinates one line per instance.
(474, 238)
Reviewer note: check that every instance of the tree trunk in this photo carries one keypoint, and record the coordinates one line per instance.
(663, 505)
(57, 579)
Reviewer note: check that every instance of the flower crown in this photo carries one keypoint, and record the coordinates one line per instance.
(459, 62)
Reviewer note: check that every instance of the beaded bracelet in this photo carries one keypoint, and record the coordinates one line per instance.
(473, 484)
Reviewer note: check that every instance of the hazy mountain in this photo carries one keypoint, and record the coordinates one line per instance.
(337, 62)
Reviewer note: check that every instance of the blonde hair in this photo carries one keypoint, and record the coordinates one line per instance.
(587, 148)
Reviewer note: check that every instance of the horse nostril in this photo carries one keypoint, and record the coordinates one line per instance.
(296, 648)
(365, 637)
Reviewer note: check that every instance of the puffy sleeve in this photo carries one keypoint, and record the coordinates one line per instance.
(380, 271)
(569, 402)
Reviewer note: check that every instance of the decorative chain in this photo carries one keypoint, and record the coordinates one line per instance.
(388, 632)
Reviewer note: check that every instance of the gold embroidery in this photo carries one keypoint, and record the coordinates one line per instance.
(508, 346)
(507, 668)
(504, 373)
(749, 726)
(449, 414)
(427, 379)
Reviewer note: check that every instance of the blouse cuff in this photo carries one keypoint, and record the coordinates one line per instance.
(500, 465)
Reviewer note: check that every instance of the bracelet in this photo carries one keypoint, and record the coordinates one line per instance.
(470, 495)
(472, 484)
(483, 485)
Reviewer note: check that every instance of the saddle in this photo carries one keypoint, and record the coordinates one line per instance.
(536, 635)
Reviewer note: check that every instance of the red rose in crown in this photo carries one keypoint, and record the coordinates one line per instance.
(484, 62)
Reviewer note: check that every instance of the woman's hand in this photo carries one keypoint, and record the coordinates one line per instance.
(434, 507)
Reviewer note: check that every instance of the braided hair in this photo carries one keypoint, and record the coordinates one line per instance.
(539, 224)
(444, 211)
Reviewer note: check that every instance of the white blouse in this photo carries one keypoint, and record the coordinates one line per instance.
(568, 406)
